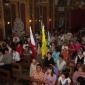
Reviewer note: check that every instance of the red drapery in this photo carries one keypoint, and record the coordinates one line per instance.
(77, 19)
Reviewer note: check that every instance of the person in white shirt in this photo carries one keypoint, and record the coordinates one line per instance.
(9, 48)
(1, 57)
(33, 66)
(64, 79)
(61, 64)
(84, 53)
(16, 56)
(25, 45)
(80, 58)
(16, 39)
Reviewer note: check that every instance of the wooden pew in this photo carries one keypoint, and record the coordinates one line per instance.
(16, 71)
(26, 63)
(5, 76)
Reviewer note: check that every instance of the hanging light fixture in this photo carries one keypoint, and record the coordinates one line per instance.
(8, 22)
(30, 20)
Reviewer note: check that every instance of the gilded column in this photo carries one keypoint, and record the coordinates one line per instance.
(53, 26)
(2, 18)
(27, 15)
(48, 11)
(33, 17)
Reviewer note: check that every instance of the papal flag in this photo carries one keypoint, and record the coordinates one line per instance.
(43, 48)
(32, 44)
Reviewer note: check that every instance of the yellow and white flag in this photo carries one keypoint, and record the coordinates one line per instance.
(43, 48)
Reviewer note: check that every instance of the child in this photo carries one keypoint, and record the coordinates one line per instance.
(64, 79)
(49, 77)
(33, 66)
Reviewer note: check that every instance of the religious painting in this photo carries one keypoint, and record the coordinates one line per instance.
(61, 21)
(22, 14)
(13, 13)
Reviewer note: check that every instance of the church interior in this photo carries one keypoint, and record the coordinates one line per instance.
(66, 15)
(64, 23)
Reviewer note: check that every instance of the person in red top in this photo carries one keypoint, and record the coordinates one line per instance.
(72, 50)
(77, 46)
(19, 49)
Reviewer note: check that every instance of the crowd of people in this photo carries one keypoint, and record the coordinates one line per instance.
(64, 63)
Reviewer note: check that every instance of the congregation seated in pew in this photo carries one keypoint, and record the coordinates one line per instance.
(47, 70)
